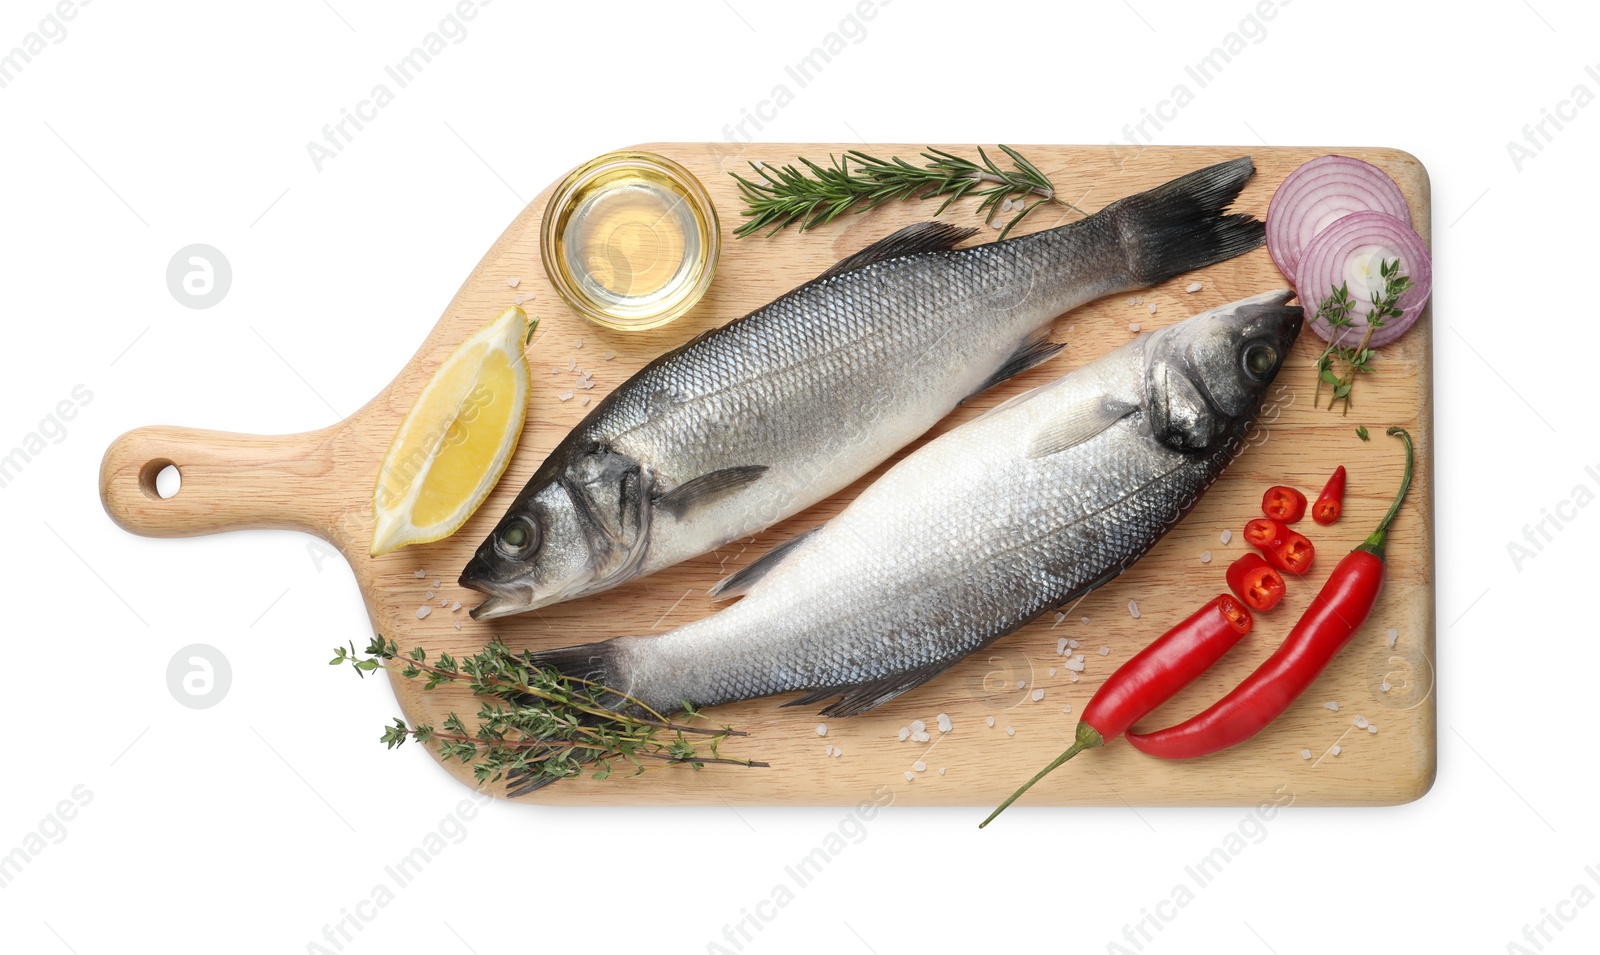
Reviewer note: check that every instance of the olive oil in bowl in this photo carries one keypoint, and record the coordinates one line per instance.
(630, 240)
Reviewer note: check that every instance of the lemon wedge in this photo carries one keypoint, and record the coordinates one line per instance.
(456, 440)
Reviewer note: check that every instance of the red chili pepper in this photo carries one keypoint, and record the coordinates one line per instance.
(1330, 503)
(1337, 611)
(1283, 504)
(1256, 582)
(1284, 547)
(1151, 677)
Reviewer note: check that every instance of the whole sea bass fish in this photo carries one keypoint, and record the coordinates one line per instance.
(1036, 503)
(755, 421)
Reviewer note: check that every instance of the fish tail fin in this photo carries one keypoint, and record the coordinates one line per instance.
(1184, 225)
(595, 663)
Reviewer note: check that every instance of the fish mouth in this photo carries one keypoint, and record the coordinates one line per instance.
(505, 597)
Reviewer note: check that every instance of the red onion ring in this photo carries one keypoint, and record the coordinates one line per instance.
(1352, 250)
(1320, 193)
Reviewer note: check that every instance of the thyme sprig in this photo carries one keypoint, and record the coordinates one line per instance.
(1339, 364)
(538, 725)
(779, 196)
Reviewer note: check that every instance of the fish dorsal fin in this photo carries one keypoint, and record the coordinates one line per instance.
(738, 583)
(707, 488)
(1075, 424)
(1037, 350)
(858, 698)
(921, 237)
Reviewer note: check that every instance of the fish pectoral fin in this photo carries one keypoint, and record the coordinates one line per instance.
(858, 698)
(707, 488)
(921, 237)
(1037, 350)
(738, 583)
(1075, 425)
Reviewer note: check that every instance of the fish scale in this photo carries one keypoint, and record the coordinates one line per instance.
(977, 532)
(755, 421)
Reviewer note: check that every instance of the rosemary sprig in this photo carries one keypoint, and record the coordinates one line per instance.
(539, 725)
(785, 195)
(1339, 364)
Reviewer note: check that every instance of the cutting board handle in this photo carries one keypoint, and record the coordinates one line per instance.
(228, 481)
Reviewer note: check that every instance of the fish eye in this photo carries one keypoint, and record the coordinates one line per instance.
(1259, 360)
(517, 539)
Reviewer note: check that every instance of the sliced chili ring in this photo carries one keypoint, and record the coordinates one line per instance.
(1284, 547)
(1283, 504)
(1256, 582)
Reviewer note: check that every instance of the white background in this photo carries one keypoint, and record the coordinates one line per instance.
(252, 825)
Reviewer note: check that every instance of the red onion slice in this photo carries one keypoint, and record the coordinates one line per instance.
(1320, 193)
(1353, 250)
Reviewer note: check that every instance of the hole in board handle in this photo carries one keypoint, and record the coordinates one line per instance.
(160, 479)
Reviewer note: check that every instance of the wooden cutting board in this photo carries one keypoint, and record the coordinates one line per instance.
(321, 483)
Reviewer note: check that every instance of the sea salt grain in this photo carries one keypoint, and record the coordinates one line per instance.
(1133, 327)
(1075, 664)
(941, 770)
(1152, 310)
(944, 723)
(1133, 609)
(1074, 644)
(1226, 536)
(1105, 651)
(822, 729)
(1022, 684)
(1371, 728)
(1385, 686)
(910, 775)
(610, 356)
(1205, 557)
(918, 726)
(1038, 695)
(1361, 722)
(1337, 749)
(904, 733)
(1393, 636)
(920, 766)
(458, 625)
(1305, 754)
(421, 575)
(513, 282)
(1060, 617)
(1067, 708)
(1010, 731)
(1061, 646)
(455, 605)
(990, 721)
(1332, 705)
(572, 364)
(919, 737)
(1052, 671)
(584, 401)
(423, 611)
(564, 396)
(578, 343)
(428, 595)
(1193, 287)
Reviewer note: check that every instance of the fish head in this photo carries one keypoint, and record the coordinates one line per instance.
(1206, 375)
(577, 531)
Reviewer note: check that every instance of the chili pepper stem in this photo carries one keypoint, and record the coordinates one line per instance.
(1374, 544)
(1088, 738)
